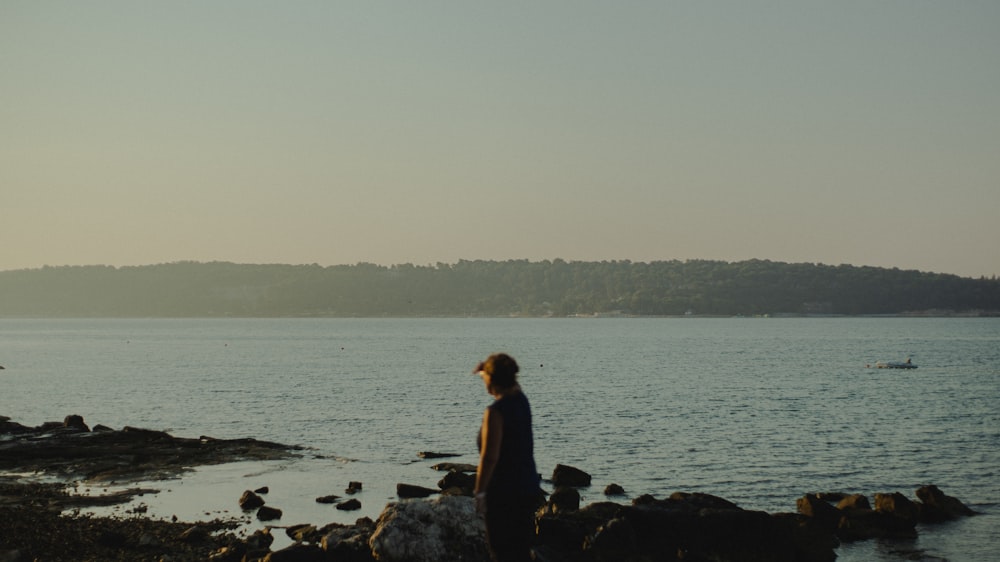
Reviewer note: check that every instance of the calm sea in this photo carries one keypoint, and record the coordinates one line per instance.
(759, 411)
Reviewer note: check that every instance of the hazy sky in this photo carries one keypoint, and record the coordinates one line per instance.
(862, 132)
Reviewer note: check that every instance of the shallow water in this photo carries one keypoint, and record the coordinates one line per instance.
(759, 411)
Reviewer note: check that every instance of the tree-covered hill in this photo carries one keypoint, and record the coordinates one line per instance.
(489, 288)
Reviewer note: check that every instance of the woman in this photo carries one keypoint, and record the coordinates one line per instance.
(507, 483)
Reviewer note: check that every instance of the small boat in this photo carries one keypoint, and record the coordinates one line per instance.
(895, 364)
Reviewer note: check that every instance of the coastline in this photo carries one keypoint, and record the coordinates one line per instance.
(49, 520)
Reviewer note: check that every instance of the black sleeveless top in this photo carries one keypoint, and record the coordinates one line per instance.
(515, 472)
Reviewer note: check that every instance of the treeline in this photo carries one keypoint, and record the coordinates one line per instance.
(489, 288)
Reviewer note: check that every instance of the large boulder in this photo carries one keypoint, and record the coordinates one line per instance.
(854, 501)
(936, 506)
(348, 543)
(819, 511)
(863, 524)
(74, 421)
(663, 532)
(406, 491)
(425, 530)
(898, 505)
(250, 500)
(565, 475)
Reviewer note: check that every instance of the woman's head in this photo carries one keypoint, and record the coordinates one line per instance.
(499, 370)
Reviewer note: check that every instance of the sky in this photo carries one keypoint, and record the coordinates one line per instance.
(841, 132)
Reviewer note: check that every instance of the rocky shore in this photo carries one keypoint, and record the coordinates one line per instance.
(42, 521)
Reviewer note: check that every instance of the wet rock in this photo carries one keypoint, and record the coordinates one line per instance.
(413, 491)
(454, 479)
(937, 506)
(67, 449)
(262, 490)
(564, 475)
(297, 553)
(454, 467)
(698, 500)
(327, 499)
(423, 530)
(854, 501)
(261, 539)
(266, 513)
(302, 532)
(349, 505)
(614, 490)
(353, 487)
(864, 524)
(433, 455)
(819, 511)
(348, 543)
(250, 500)
(898, 505)
(74, 421)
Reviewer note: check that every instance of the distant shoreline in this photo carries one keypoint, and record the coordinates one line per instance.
(595, 316)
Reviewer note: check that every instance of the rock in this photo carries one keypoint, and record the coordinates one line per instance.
(327, 499)
(266, 513)
(412, 491)
(563, 499)
(112, 539)
(569, 476)
(348, 542)
(461, 480)
(854, 501)
(808, 541)
(937, 506)
(75, 422)
(424, 530)
(819, 511)
(229, 553)
(353, 487)
(432, 455)
(261, 539)
(262, 490)
(140, 434)
(454, 467)
(12, 555)
(194, 534)
(668, 533)
(898, 505)
(863, 524)
(349, 505)
(302, 532)
(615, 540)
(698, 500)
(102, 428)
(297, 553)
(614, 490)
(250, 500)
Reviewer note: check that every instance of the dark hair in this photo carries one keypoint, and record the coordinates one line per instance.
(502, 369)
